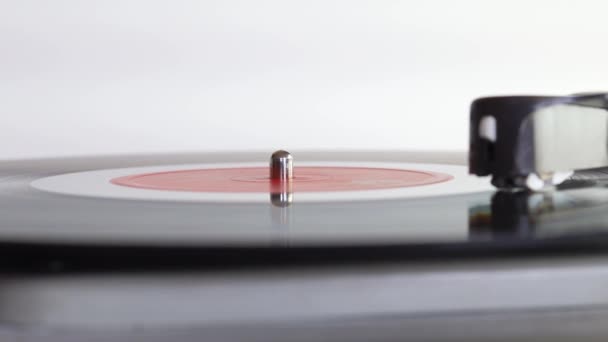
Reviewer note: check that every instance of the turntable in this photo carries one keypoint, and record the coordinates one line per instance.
(315, 245)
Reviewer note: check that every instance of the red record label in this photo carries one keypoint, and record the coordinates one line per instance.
(306, 179)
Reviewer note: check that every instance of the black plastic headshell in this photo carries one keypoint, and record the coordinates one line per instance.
(532, 141)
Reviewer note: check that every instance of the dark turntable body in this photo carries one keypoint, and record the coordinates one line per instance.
(377, 264)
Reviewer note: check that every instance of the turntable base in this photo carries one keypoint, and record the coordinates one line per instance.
(531, 298)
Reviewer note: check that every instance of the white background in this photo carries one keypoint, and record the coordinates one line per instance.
(105, 77)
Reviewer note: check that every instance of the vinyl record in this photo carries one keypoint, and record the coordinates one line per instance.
(335, 200)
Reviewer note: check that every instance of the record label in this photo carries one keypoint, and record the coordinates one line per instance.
(249, 182)
(257, 179)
